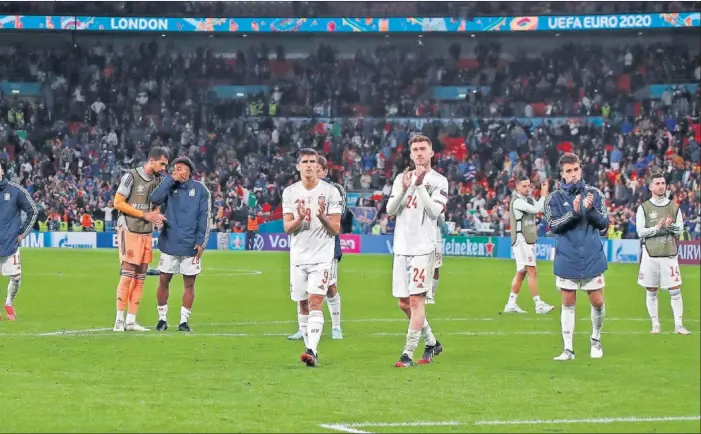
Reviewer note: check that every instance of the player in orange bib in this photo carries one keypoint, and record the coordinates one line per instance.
(137, 217)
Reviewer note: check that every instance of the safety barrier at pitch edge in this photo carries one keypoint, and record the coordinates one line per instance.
(626, 251)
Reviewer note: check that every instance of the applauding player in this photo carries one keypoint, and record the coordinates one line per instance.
(312, 215)
(417, 199)
(576, 214)
(659, 222)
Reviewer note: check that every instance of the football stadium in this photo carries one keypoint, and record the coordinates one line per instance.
(350, 217)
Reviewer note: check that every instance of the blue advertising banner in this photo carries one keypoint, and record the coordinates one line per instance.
(354, 25)
(108, 240)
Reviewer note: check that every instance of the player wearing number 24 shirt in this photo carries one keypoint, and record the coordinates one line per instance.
(418, 198)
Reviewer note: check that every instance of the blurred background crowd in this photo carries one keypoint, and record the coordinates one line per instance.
(241, 106)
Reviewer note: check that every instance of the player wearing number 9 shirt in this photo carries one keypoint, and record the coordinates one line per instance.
(417, 199)
(311, 210)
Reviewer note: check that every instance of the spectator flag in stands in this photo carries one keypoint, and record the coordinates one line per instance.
(470, 172)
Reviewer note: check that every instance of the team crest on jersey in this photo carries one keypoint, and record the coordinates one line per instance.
(192, 192)
(321, 200)
(140, 190)
(7, 196)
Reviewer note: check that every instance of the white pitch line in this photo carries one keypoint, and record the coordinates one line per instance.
(401, 424)
(343, 428)
(594, 420)
(353, 427)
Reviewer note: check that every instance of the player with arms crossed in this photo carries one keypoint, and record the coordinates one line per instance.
(183, 238)
(417, 199)
(659, 222)
(311, 209)
(333, 298)
(13, 200)
(135, 234)
(522, 212)
(576, 213)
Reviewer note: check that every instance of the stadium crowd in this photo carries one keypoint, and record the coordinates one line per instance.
(103, 107)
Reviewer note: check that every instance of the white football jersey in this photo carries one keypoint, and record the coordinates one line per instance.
(312, 243)
(415, 233)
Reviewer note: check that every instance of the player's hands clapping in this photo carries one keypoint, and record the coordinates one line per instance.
(421, 172)
(544, 189)
(577, 203)
(406, 179)
(301, 210)
(589, 201)
(321, 210)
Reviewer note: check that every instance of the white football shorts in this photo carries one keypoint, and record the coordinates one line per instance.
(524, 254)
(185, 265)
(592, 284)
(659, 272)
(309, 279)
(412, 275)
(11, 265)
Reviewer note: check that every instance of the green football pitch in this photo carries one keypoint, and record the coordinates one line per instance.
(63, 369)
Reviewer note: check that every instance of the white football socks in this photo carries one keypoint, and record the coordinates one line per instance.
(163, 313)
(302, 321)
(412, 341)
(567, 323)
(334, 305)
(131, 318)
(597, 321)
(12, 289)
(314, 329)
(427, 334)
(652, 306)
(512, 298)
(184, 314)
(677, 307)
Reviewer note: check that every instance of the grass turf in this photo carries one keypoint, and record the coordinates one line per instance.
(238, 372)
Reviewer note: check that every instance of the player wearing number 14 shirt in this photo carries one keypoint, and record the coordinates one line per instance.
(418, 198)
(659, 223)
(311, 210)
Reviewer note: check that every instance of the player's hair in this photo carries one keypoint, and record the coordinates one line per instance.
(568, 158)
(655, 175)
(306, 151)
(420, 138)
(321, 160)
(186, 161)
(522, 178)
(157, 153)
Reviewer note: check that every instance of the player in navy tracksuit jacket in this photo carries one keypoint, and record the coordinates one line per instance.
(183, 238)
(13, 200)
(333, 298)
(576, 214)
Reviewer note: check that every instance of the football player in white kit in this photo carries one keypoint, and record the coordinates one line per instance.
(311, 209)
(659, 223)
(438, 262)
(418, 197)
(522, 213)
